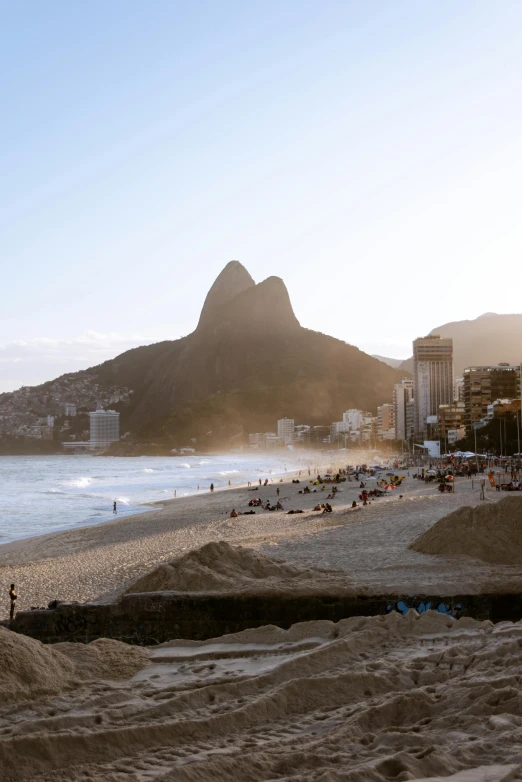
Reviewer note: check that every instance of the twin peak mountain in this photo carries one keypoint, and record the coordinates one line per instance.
(248, 363)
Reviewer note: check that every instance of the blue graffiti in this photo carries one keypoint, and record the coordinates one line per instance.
(402, 608)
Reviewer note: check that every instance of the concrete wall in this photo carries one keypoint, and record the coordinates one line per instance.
(156, 617)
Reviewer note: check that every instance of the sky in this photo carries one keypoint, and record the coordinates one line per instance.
(369, 153)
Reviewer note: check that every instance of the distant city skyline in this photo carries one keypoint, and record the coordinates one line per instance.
(368, 154)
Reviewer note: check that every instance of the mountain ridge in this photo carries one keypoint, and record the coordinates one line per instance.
(248, 363)
(486, 340)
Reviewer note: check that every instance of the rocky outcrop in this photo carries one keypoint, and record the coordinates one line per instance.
(233, 280)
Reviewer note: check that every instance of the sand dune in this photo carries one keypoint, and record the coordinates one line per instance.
(367, 699)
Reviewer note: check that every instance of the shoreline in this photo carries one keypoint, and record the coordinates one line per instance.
(132, 500)
(97, 562)
(149, 508)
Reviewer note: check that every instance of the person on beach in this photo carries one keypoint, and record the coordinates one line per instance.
(114, 508)
(13, 597)
(233, 515)
(211, 487)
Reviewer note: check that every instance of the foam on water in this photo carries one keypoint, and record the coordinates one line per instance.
(46, 494)
(80, 483)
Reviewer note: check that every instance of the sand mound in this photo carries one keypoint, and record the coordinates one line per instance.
(219, 567)
(492, 533)
(104, 659)
(29, 669)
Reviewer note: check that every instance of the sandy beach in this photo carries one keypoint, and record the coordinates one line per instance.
(370, 543)
(369, 699)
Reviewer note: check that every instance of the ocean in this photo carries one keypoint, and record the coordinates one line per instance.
(40, 494)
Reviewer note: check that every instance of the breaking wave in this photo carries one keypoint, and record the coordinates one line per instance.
(79, 483)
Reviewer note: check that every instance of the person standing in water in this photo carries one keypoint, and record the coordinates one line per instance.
(114, 508)
(211, 487)
(13, 597)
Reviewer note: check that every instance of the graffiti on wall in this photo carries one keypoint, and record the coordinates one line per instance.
(422, 606)
(73, 625)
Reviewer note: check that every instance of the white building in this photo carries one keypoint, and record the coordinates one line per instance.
(104, 428)
(272, 440)
(402, 394)
(256, 439)
(354, 418)
(458, 390)
(285, 430)
(70, 409)
(432, 377)
(339, 427)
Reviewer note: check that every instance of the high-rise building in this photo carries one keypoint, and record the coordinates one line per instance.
(451, 418)
(410, 418)
(402, 393)
(70, 409)
(104, 428)
(458, 390)
(484, 385)
(385, 427)
(354, 418)
(285, 430)
(432, 377)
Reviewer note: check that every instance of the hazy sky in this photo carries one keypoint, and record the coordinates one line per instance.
(368, 153)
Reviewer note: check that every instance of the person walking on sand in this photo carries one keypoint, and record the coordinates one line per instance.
(211, 487)
(13, 597)
(114, 508)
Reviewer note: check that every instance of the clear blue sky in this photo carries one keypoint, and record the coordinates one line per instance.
(368, 153)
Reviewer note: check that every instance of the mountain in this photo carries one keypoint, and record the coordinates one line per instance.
(392, 362)
(489, 339)
(248, 363)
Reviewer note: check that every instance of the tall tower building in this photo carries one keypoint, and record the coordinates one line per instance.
(285, 430)
(432, 377)
(104, 428)
(402, 394)
(385, 427)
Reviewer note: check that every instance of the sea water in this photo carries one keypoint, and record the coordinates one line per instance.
(40, 494)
